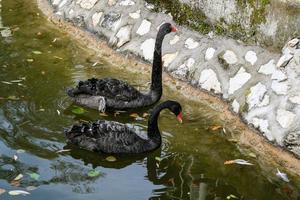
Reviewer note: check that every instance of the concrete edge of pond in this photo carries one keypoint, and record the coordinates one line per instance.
(249, 137)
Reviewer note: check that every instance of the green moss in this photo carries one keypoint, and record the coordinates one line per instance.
(195, 19)
(183, 14)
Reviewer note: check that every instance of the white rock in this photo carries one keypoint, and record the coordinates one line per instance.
(295, 99)
(181, 72)
(209, 54)
(265, 101)
(6, 33)
(230, 57)
(144, 27)
(135, 15)
(280, 88)
(96, 18)
(147, 48)
(278, 75)
(62, 3)
(190, 62)
(268, 68)
(174, 40)
(168, 58)
(293, 42)
(149, 6)
(238, 80)
(285, 118)
(111, 2)
(256, 96)
(71, 12)
(211, 34)
(191, 44)
(183, 69)
(208, 81)
(87, 4)
(235, 106)
(126, 3)
(123, 35)
(263, 126)
(251, 57)
(56, 2)
(284, 60)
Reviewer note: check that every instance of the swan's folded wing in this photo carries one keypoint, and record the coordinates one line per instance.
(110, 88)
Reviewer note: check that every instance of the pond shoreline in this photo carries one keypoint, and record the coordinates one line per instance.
(249, 137)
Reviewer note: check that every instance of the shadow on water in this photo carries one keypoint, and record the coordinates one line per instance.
(38, 62)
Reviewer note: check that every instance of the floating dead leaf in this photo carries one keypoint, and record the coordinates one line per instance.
(37, 52)
(34, 176)
(2, 191)
(20, 151)
(19, 177)
(29, 60)
(6, 82)
(42, 110)
(103, 114)
(15, 183)
(94, 64)
(233, 140)
(54, 40)
(116, 113)
(15, 157)
(78, 110)
(39, 33)
(30, 188)
(145, 115)
(139, 119)
(94, 173)
(16, 81)
(214, 128)
(58, 112)
(63, 150)
(57, 57)
(43, 72)
(134, 115)
(237, 161)
(17, 192)
(111, 159)
(252, 155)
(13, 98)
(158, 159)
(231, 197)
(282, 176)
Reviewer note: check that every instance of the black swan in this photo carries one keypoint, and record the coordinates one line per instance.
(113, 137)
(110, 93)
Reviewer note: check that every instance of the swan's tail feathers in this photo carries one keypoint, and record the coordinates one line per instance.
(77, 130)
(71, 92)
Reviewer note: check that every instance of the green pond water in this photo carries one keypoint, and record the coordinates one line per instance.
(34, 111)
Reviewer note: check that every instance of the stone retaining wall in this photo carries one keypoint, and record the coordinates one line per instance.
(262, 87)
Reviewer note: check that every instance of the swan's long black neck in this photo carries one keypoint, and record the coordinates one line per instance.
(156, 77)
(153, 131)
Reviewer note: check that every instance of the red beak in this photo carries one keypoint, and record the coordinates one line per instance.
(173, 28)
(179, 117)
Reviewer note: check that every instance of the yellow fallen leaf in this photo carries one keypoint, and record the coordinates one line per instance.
(18, 177)
(134, 115)
(214, 128)
(2, 191)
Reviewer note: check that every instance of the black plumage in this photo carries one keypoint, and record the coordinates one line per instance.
(116, 94)
(114, 137)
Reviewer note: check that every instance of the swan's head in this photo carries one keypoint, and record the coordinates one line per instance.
(175, 107)
(167, 28)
